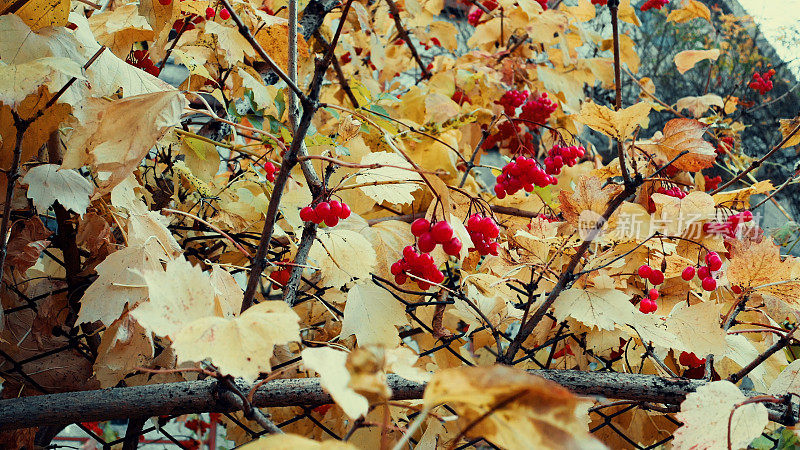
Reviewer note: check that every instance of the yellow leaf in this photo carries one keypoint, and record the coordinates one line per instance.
(687, 59)
(372, 314)
(756, 264)
(512, 408)
(239, 346)
(698, 105)
(179, 295)
(47, 184)
(707, 423)
(698, 328)
(231, 42)
(295, 442)
(627, 13)
(388, 184)
(601, 308)
(584, 12)
(678, 214)
(115, 136)
(125, 345)
(741, 197)
(335, 379)
(616, 124)
(39, 13)
(683, 135)
(690, 9)
(334, 253)
(120, 28)
(273, 40)
(585, 206)
(787, 126)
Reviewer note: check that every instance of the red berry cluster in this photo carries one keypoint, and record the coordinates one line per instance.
(281, 276)
(762, 82)
(428, 235)
(724, 145)
(511, 100)
(420, 265)
(538, 108)
(691, 360)
(270, 169)
(328, 212)
(712, 183)
(713, 263)
(483, 231)
(475, 16)
(674, 191)
(654, 4)
(730, 227)
(521, 173)
(560, 155)
(654, 276)
(140, 59)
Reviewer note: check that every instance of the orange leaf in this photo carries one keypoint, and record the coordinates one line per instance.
(680, 135)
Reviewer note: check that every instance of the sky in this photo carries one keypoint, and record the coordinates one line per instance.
(780, 23)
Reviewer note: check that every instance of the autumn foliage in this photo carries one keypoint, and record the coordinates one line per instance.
(307, 204)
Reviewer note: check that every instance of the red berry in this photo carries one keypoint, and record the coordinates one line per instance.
(331, 220)
(336, 208)
(656, 276)
(715, 263)
(409, 252)
(224, 14)
(323, 210)
(452, 247)
(736, 289)
(397, 268)
(441, 232)
(688, 273)
(401, 278)
(653, 294)
(345, 212)
(703, 272)
(426, 243)
(308, 214)
(210, 13)
(165, 2)
(709, 284)
(645, 271)
(420, 226)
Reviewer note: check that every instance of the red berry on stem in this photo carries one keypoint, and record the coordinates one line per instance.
(442, 232)
(656, 276)
(703, 272)
(345, 212)
(709, 284)
(323, 210)
(645, 271)
(331, 220)
(426, 243)
(714, 263)
(210, 13)
(653, 294)
(165, 2)
(336, 208)
(688, 273)
(224, 14)
(420, 226)
(452, 247)
(307, 214)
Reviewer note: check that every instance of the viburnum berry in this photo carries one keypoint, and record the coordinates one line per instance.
(653, 4)
(165, 2)
(281, 276)
(329, 212)
(483, 231)
(732, 225)
(543, 4)
(511, 100)
(346, 58)
(703, 272)
(490, 4)
(210, 13)
(538, 109)
(736, 289)
(270, 169)
(725, 145)
(647, 306)
(224, 14)
(426, 243)
(460, 97)
(645, 271)
(709, 284)
(713, 260)
(652, 294)
(420, 265)
(441, 232)
(521, 173)
(691, 360)
(762, 82)
(656, 277)
(688, 273)
(420, 226)
(474, 17)
(559, 156)
(674, 191)
(712, 183)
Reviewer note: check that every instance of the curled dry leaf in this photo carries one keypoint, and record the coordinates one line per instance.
(705, 414)
(690, 9)
(683, 135)
(512, 408)
(787, 126)
(699, 105)
(125, 345)
(687, 59)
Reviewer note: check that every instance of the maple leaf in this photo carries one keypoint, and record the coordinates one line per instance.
(678, 214)
(115, 136)
(787, 126)
(121, 27)
(273, 39)
(512, 408)
(389, 184)
(616, 124)
(687, 59)
(334, 253)
(741, 197)
(125, 345)
(179, 295)
(753, 265)
(683, 135)
(584, 207)
(601, 308)
(119, 282)
(40, 13)
(689, 10)
(372, 314)
(335, 379)
(239, 346)
(698, 328)
(47, 184)
(705, 414)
